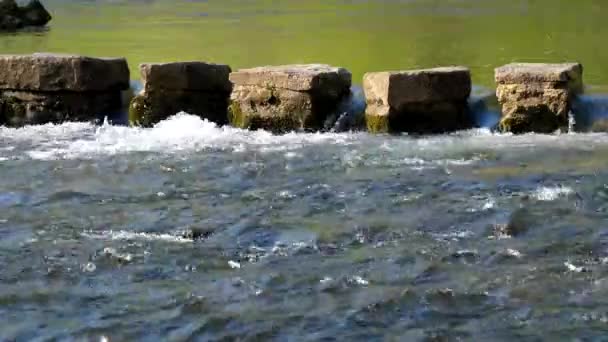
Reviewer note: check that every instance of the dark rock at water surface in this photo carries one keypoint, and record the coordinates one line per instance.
(519, 223)
(13, 17)
(198, 233)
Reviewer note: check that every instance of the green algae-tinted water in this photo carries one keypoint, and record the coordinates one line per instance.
(362, 35)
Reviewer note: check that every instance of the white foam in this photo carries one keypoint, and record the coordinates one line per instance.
(572, 268)
(358, 280)
(490, 204)
(182, 132)
(188, 133)
(234, 264)
(551, 193)
(126, 235)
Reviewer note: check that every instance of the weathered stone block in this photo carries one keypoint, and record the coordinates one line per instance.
(417, 101)
(197, 88)
(537, 97)
(286, 98)
(42, 72)
(44, 88)
(193, 76)
(19, 108)
(534, 73)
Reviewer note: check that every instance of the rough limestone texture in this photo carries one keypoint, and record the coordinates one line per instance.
(14, 17)
(47, 88)
(196, 88)
(537, 97)
(417, 101)
(288, 97)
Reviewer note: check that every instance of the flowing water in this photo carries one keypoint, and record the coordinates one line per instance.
(189, 231)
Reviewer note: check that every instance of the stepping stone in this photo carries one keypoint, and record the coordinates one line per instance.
(417, 101)
(197, 88)
(537, 97)
(287, 98)
(50, 88)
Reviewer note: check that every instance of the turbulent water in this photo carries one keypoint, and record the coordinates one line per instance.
(192, 231)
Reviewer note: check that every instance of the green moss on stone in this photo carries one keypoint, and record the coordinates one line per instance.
(277, 123)
(236, 117)
(139, 111)
(539, 122)
(377, 123)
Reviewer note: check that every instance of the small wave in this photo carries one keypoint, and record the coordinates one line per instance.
(142, 236)
(551, 193)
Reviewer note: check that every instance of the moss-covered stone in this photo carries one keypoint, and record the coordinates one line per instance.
(542, 120)
(236, 117)
(274, 123)
(139, 111)
(537, 97)
(280, 110)
(377, 123)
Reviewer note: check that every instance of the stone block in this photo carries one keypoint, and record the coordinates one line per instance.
(47, 88)
(196, 88)
(537, 97)
(193, 76)
(287, 98)
(19, 108)
(43, 72)
(417, 101)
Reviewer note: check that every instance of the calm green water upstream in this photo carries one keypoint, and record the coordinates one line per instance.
(192, 232)
(361, 35)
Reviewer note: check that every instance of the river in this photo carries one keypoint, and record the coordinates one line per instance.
(189, 231)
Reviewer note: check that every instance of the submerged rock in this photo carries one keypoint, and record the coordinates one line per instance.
(417, 101)
(537, 97)
(13, 17)
(600, 126)
(198, 233)
(47, 88)
(197, 88)
(520, 221)
(286, 98)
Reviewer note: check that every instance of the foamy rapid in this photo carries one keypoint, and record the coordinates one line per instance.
(136, 236)
(552, 193)
(182, 132)
(188, 133)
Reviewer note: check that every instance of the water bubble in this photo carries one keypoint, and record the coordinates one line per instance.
(326, 280)
(576, 269)
(359, 281)
(234, 264)
(89, 267)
